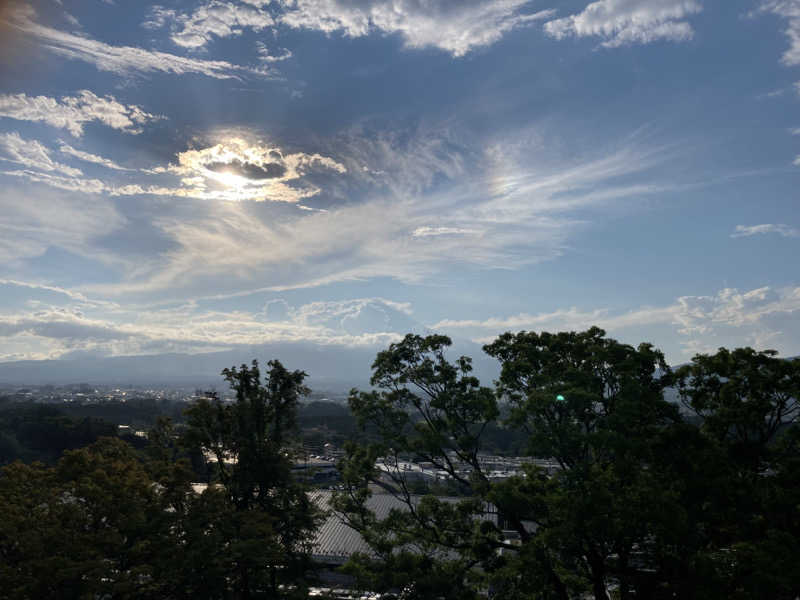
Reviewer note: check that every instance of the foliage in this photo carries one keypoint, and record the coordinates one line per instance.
(645, 503)
(95, 525)
(42, 433)
(650, 499)
(110, 522)
(269, 519)
(747, 402)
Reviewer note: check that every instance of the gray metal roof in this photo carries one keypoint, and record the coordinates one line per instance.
(335, 541)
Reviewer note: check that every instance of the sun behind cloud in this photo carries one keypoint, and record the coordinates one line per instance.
(236, 170)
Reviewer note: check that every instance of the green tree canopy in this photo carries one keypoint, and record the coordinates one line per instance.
(637, 507)
(95, 525)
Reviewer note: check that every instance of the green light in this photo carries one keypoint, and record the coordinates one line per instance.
(560, 398)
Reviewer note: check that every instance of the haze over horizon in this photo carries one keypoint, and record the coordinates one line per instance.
(223, 176)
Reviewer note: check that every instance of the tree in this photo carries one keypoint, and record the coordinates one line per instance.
(747, 405)
(95, 525)
(598, 408)
(42, 432)
(744, 398)
(261, 517)
(434, 410)
(609, 518)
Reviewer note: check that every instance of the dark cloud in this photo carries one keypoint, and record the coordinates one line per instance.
(249, 170)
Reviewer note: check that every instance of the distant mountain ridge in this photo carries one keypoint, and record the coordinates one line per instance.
(329, 367)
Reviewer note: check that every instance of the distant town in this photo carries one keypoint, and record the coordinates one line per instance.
(85, 393)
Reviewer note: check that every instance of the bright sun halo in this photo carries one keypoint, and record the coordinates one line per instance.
(229, 179)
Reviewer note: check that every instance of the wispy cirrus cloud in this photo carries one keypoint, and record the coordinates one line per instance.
(69, 183)
(427, 231)
(32, 154)
(623, 22)
(74, 112)
(34, 289)
(126, 60)
(72, 222)
(405, 207)
(65, 148)
(426, 207)
(765, 228)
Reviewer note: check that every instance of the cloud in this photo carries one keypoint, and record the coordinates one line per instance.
(126, 60)
(18, 294)
(404, 209)
(234, 248)
(32, 154)
(71, 19)
(624, 22)
(276, 310)
(73, 112)
(407, 161)
(158, 17)
(54, 219)
(562, 319)
(234, 170)
(91, 158)
(39, 287)
(239, 170)
(67, 183)
(213, 19)
(59, 330)
(358, 316)
(264, 54)
(60, 324)
(764, 318)
(789, 10)
(429, 231)
(750, 230)
(455, 26)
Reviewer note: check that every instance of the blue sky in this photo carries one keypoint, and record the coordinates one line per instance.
(194, 177)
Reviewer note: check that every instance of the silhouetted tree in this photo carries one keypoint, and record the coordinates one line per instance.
(269, 519)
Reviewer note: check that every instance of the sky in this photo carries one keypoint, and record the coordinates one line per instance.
(197, 177)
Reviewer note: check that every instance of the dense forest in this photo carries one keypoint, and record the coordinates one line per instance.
(666, 483)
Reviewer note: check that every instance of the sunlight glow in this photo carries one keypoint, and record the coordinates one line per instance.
(232, 180)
